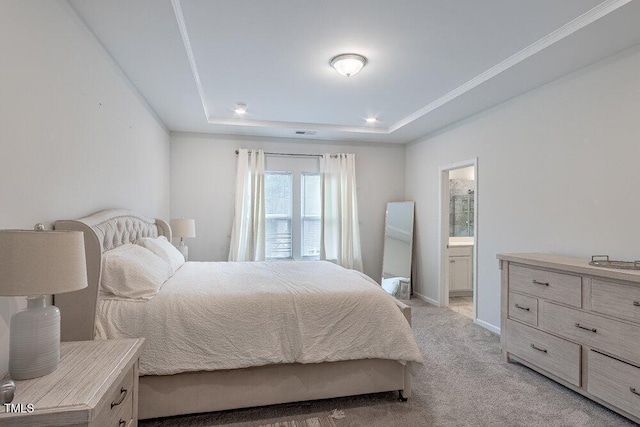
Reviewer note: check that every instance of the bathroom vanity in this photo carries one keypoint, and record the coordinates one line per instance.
(460, 269)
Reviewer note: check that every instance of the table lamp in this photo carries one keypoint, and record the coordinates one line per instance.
(183, 228)
(34, 264)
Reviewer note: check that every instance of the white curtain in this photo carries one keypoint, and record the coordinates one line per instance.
(340, 232)
(248, 233)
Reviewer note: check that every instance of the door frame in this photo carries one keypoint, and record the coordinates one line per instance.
(443, 218)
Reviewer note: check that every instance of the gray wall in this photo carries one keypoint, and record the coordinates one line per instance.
(203, 171)
(74, 137)
(557, 172)
(558, 167)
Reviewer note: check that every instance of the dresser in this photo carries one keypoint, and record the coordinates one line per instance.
(95, 384)
(575, 323)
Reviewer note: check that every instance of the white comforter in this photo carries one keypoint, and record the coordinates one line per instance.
(225, 315)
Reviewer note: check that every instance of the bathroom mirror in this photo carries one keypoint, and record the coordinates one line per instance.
(398, 248)
(462, 187)
(461, 214)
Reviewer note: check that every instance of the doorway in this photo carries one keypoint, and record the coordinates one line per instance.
(459, 237)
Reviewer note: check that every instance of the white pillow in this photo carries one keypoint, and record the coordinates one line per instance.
(165, 250)
(391, 285)
(131, 271)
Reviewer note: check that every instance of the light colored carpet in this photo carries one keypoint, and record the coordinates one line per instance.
(310, 422)
(464, 382)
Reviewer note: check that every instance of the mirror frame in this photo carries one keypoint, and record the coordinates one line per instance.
(411, 246)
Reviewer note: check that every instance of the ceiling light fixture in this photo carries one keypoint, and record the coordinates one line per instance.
(371, 119)
(348, 64)
(241, 108)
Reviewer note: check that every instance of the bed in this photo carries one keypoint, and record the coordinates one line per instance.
(168, 390)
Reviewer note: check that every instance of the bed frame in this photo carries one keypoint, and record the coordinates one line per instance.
(206, 391)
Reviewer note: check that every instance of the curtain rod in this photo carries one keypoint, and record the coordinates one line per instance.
(291, 154)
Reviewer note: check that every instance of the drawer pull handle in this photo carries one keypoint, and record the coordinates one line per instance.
(535, 282)
(633, 390)
(533, 346)
(123, 394)
(636, 303)
(122, 423)
(522, 308)
(594, 330)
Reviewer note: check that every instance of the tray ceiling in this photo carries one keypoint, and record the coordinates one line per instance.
(430, 63)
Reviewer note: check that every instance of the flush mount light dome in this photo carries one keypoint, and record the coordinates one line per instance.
(240, 108)
(348, 64)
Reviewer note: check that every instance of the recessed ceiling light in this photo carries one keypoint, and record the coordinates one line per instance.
(240, 108)
(348, 64)
(372, 119)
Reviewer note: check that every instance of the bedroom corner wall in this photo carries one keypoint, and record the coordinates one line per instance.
(203, 171)
(75, 137)
(557, 172)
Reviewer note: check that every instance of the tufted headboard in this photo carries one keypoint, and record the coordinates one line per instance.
(103, 231)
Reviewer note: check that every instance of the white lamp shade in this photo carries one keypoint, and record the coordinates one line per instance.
(181, 227)
(41, 262)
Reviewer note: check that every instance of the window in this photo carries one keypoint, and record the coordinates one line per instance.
(310, 215)
(292, 208)
(278, 218)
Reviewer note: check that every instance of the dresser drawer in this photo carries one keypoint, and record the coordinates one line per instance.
(116, 409)
(523, 308)
(612, 336)
(558, 287)
(555, 355)
(616, 299)
(615, 382)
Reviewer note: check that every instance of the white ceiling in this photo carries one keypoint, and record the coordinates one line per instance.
(431, 63)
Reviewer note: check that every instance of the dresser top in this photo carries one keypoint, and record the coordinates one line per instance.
(571, 264)
(85, 372)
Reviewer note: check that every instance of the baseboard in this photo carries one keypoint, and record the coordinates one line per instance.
(488, 326)
(426, 299)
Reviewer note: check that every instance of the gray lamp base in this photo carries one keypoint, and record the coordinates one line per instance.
(34, 343)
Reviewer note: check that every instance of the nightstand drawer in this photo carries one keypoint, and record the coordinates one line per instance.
(116, 408)
(523, 308)
(90, 376)
(615, 382)
(616, 299)
(555, 355)
(558, 287)
(600, 333)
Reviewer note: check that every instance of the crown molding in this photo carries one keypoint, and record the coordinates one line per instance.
(592, 15)
(298, 125)
(177, 10)
(555, 36)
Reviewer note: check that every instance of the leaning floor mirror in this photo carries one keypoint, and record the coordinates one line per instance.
(398, 248)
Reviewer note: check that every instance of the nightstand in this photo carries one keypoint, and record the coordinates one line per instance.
(95, 384)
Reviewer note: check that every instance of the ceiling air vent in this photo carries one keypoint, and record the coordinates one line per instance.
(305, 132)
